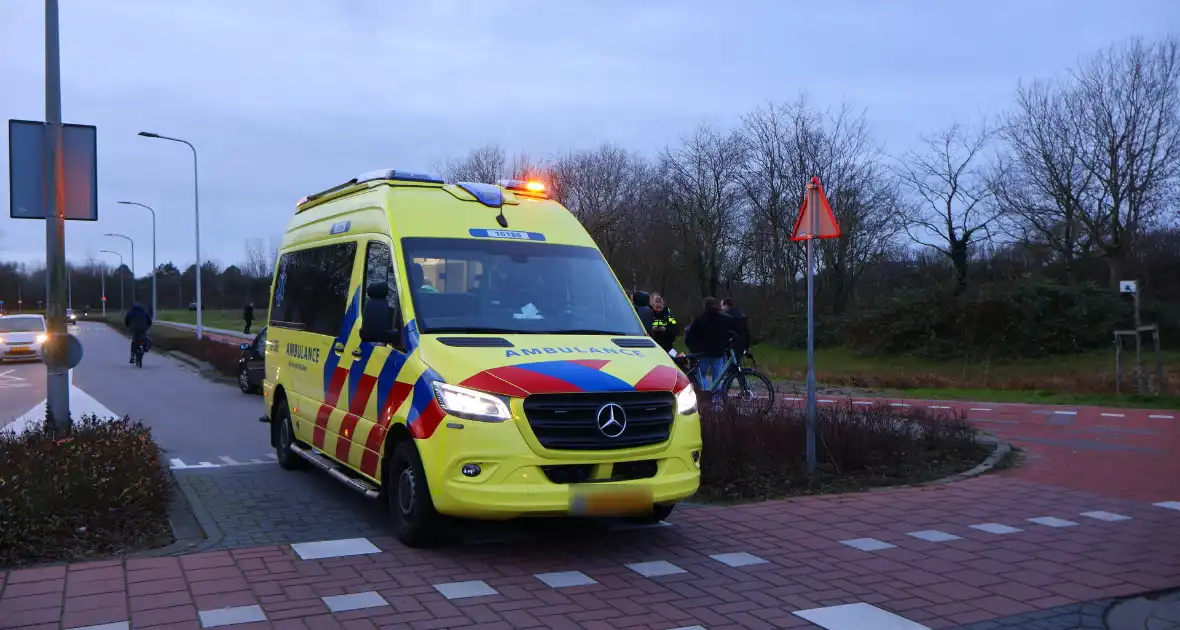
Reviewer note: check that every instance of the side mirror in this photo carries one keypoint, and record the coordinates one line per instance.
(377, 318)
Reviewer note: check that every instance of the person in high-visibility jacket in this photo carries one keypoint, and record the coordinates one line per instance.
(663, 328)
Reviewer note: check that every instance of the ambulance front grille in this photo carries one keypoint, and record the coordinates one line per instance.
(570, 421)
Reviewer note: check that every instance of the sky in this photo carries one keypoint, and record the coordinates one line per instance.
(283, 98)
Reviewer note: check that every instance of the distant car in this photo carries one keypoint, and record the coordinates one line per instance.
(252, 364)
(71, 317)
(22, 337)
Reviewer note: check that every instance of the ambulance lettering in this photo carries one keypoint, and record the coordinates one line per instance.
(303, 353)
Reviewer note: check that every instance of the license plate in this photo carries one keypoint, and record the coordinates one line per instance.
(20, 351)
(605, 501)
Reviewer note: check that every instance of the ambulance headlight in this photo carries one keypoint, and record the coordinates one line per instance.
(470, 404)
(686, 400)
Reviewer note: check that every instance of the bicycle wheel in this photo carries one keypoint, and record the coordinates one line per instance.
(749, 387)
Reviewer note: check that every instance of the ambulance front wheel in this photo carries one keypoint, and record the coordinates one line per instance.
(285, 438)
(415, 522)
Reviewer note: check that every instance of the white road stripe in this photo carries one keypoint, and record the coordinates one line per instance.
(859, 616)
(861, 402)
(1114, 415)
(1159, 417)
(898, 405)
(980, 409)
(825, 400)
(939, 407)
(1065, 413)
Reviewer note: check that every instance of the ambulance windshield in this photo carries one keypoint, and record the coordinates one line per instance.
(515, 286)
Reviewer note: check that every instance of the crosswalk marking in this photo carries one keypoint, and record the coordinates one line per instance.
(226, 462)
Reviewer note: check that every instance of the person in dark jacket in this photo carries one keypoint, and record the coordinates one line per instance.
(248, 315)
(741, 325)
(138, 321)
(708, 336)
(642, 309)
(663, 328)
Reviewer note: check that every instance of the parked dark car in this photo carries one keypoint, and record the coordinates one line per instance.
(252, 364)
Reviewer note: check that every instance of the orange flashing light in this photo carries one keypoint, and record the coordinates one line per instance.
(535, 186)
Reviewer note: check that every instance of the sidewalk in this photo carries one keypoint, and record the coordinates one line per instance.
(939, 557)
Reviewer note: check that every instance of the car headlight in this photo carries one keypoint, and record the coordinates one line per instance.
(42, 338)
(686, 401)
(470, 404)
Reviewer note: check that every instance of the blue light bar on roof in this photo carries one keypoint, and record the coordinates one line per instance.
(489, 195)
(403, 176)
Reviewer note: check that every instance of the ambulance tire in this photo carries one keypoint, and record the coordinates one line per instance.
(659, 513)
(286, 437)
(411, 509)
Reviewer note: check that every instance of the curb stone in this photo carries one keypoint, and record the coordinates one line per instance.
(187, 532)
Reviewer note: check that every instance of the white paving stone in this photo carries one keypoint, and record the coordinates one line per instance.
(354, 601)
(859, 616)
(1052, 521)
(231, 616)
(934, 535)
(996, 528)
(739, 559)
(658, 568)
(1168, 505)
(1106, 516)
(463, 590)
(335, 548)
(563, 579)
(867, 544)
(690, 628)
(118, 625)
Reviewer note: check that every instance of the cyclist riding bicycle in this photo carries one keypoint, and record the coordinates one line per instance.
(138, 321)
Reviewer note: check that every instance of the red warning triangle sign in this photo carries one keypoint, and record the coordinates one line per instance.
(818, 221)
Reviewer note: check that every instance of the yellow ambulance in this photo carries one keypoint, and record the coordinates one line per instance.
(465, 350)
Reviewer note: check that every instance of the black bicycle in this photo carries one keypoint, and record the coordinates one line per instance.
(141, 346)
(737, 384)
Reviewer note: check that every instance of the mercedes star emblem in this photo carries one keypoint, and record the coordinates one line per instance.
(612, 420)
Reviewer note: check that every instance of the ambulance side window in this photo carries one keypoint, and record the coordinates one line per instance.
(311, 292)
(379, 268)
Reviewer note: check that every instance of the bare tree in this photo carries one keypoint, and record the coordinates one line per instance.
(256, 264)
(489, 164)
(950, 199)
(702, 194)
(1042, 184)
(601, 188)
(1126, 109)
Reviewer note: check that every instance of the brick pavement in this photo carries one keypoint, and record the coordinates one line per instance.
(1046, 545)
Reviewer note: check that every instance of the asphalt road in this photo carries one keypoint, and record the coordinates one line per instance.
(193, 419)
(22, 386)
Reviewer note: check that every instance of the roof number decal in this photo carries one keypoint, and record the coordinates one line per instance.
(341, 227)
(509, 234)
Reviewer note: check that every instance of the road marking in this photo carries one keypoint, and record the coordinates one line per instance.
(934, 535)
(939, 407)
(657, 568)
(740, 559)
(1160, 417)
(564, 579)
(1066, 413)
(1168, 505)
(862, 402)
(231, 616)
(898, 405)
(791, 398)
(825, 400)
(997, 421)
(180, 465)
(980, 409)
(1114, 415)
(354, 601)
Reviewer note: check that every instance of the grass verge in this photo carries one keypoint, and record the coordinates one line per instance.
(226, 320)
(749, 456)
(98, 491)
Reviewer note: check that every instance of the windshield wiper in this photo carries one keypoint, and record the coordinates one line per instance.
(479, 330)
(585, 331)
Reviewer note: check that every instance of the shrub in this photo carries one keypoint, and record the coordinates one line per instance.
(1024, 319)
(755, 456)
(99, 490)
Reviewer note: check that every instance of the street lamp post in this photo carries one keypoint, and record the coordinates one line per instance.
(102, 283)
(197, 216)
(122, 301)
(133, 275)
(155, 304)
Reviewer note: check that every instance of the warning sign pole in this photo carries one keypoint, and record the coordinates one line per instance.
(817, 221)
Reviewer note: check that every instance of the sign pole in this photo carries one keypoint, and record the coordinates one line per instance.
(813, 203)
(57, 383)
